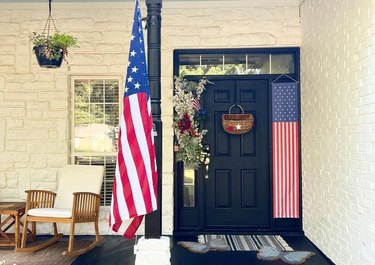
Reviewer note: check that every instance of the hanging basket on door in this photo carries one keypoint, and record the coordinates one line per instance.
(237, 123)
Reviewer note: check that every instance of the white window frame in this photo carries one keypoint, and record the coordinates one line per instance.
(73, 153)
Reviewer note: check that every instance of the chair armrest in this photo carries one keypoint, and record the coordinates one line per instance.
(39, 199)
(85, 205)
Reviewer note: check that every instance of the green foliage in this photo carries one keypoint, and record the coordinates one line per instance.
(191, 70)
(93, 111)
(190, 151)
(229, 69)
(56, 45)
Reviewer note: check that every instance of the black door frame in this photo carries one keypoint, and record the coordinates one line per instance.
(284, 225)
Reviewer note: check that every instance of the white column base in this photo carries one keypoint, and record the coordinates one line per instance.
(152, 251)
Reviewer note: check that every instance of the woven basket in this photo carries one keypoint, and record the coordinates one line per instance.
(237, 123)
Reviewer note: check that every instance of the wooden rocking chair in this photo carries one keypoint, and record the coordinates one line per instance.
(77, 200)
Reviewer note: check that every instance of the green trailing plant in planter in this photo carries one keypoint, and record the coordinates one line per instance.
(51, 50)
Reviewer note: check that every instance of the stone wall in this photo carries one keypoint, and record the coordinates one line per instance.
(338, 128)
(35, 103)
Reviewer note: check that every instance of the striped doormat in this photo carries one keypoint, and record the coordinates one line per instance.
(249, 242)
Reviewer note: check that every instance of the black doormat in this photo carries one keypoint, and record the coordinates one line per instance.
(249, 242)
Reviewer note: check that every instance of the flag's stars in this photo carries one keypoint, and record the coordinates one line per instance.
(134, 69)
(132, 37)
(129, 64)
(126, 89)
(133, 53)
(137, 85)
(130, 79)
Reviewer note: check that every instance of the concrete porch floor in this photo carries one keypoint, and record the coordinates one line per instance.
(116, 250)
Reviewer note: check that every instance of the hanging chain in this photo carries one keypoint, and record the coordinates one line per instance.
(49, 19)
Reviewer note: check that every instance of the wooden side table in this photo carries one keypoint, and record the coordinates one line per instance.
(14, 210)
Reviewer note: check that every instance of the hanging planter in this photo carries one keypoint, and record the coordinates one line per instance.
(45, 59)
(51, 50)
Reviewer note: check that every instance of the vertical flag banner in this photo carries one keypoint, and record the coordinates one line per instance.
(285, 150)
(135, 185)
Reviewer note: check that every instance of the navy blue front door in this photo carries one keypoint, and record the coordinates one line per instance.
(236, 193)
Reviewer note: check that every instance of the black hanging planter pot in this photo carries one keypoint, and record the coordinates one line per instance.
(41, 53)
(52, 49)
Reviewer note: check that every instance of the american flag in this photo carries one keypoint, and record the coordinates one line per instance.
(285, 150)
(135, 186)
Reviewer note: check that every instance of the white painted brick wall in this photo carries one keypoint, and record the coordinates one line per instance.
(338, 128)
(34, 110)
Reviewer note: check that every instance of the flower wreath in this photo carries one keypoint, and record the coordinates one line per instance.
(188, 115)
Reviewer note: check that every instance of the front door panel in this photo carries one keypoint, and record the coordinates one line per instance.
(236, 193)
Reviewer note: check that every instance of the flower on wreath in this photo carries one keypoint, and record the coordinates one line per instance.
(188, 116)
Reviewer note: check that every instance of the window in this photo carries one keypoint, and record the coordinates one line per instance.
(189, 187)
(235, 63)
(95, 126)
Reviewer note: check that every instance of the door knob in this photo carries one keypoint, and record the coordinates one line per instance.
(206, 148)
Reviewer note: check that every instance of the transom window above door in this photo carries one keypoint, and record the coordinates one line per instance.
(234, 62)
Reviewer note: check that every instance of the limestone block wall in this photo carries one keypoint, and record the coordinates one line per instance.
(338, 128)
(35, 116)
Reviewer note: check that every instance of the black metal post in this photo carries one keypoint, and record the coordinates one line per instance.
(153, 220)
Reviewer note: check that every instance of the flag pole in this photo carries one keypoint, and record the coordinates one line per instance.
(153, 220)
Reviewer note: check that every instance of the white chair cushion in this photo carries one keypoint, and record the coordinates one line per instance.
(78, 178)
(50, 212)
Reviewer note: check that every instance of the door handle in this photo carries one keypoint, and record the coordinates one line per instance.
(206, 166)
(206, 160)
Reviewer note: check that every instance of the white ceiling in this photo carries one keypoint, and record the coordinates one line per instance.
(111, 1)
(38, 4)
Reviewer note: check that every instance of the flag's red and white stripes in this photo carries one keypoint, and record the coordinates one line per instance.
(285, 150)
(135, 186)
(196, 104)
